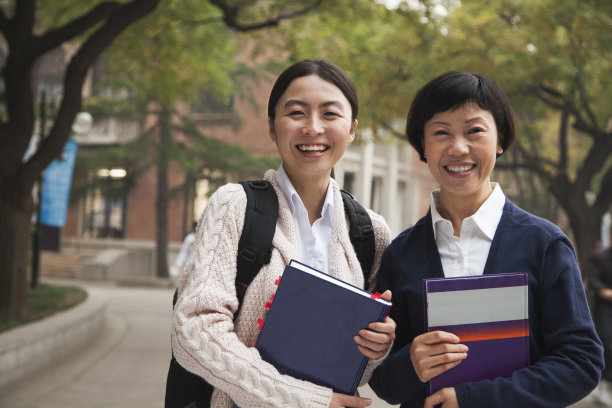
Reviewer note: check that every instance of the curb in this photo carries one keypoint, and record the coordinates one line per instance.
(26, 349)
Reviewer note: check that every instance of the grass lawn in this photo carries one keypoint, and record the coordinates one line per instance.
(43, 301)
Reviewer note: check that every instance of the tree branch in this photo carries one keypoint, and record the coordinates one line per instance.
(204, 21)
(387, 126)
(594, 161)
(75, 75)
(527, 161)
(563, 148)
(23, 19)
(4, 23)
(549, 96)
(585, 102)
(604, 198)
(230, 16)
(56, 37)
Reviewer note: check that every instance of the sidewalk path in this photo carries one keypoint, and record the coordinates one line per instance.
(126, 365)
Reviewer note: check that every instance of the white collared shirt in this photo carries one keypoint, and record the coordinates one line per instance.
(467, 254)
(313, 241)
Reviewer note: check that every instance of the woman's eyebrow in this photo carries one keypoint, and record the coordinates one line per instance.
(291, 102)
(338, 104)
(299, 102)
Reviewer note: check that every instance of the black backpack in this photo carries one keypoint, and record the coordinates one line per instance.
(187, 390)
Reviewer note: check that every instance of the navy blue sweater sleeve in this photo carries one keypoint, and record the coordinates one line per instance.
(567, 352)
(395, 380)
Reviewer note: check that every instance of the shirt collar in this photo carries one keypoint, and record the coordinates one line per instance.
(488, 215)
(293, 198)
(486, 218)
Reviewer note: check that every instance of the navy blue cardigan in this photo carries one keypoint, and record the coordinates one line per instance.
(566, 354)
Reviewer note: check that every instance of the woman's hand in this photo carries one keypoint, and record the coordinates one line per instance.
(606, 294)
(343, 400)
(436, 352)
(375, 342)
(446, 396)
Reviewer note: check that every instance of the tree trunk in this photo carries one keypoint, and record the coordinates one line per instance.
(162, 194)
(15, 214)
(586, 235)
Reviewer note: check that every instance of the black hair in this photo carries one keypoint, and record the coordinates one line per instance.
(452, 90)
(324, 70)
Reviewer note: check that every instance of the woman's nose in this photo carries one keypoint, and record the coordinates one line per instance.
(459, 147)
(314, 126)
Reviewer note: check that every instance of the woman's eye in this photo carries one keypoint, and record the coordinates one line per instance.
(440, 132)
(296, 113)
(476, 130)
(331, 114)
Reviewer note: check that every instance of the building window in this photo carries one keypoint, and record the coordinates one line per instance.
(209, 108)
(348, 183)
(400, 208)
(105, 205)
(376, 199)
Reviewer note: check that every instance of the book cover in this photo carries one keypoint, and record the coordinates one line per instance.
(309, 330)
(490, 315)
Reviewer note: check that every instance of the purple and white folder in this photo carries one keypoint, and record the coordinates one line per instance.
(490, 315)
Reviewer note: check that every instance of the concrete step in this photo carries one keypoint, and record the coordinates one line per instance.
(59, 265)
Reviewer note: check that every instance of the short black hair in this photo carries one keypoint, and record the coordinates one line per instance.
(452, 90)
(324, 70)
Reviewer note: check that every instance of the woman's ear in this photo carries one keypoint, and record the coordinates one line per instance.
(271, 132)
(352, 132)
(499, 150)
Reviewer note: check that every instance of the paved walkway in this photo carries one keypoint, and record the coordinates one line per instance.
(125, 366)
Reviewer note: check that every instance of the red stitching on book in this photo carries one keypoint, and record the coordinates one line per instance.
(276, 282)
(375, 295)
(260, 322)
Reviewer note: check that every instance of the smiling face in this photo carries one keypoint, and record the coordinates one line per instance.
(461, 147)
(312, 128)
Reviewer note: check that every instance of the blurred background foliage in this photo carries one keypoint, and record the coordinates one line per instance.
(552, 57)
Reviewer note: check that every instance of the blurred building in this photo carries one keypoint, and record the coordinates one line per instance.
(383, 172)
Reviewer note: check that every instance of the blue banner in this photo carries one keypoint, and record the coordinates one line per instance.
(57, 180)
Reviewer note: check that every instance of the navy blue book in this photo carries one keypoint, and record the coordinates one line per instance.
(310, 327)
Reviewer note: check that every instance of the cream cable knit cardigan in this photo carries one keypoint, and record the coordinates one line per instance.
(205, 338)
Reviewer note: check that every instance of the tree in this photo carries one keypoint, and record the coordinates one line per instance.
(553, 59)
(183, 48)
(26, 41)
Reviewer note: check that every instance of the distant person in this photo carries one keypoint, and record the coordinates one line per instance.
(600, 286)
(460, 123)
(312, 114)
(184, 253)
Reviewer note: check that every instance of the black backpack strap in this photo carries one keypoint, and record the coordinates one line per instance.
(255, 245)
(184, 388)
(361, 233)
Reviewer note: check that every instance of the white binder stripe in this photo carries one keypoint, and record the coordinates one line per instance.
(477, 306)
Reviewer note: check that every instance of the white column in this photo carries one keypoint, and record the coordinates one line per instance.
(339, 174)
(367, 162)
(392, 173)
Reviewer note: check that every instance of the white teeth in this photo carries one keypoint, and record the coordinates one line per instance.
(458, 169)
(312, 148)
